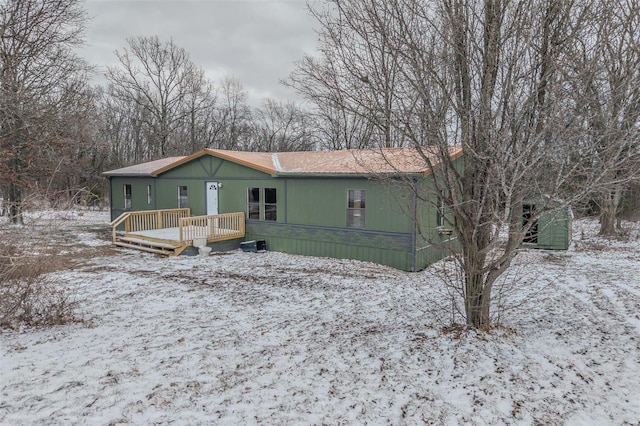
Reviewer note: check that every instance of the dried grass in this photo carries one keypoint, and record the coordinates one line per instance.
(30, 294)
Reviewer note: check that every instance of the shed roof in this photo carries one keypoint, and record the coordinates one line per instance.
(306, 163)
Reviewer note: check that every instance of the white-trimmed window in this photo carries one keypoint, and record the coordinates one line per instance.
(127, 196)
(183, 197)
(149, 194)
(356, 208)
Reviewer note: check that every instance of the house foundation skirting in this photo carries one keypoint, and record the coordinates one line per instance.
(387, 248)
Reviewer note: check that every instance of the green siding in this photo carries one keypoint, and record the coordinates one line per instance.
(233, 194)
(167, 194)
(208, 166)
(432, 244)
(554, 231)
(392, 249)
(323, 202)
(138, 194)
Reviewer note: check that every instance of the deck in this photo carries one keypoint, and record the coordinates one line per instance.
(169, 232)
(173, 234)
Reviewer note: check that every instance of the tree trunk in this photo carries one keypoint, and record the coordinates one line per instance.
(15, 204)
(609, 212)
(477, 300)
(477, 289)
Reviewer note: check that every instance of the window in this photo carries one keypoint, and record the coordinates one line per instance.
(127, 196)
(148, 194)
(270, 205)
(253, 203)
(355, 208)
(183, 197)
(262, 204)
(440, 220)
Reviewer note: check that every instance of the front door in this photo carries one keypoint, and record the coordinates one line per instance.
(212, 198)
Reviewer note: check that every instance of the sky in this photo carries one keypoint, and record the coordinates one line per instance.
(256, 41)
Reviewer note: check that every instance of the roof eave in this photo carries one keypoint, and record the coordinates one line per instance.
(108, 174)
(349, 175)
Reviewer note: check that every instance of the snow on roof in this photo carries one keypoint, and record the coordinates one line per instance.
(344, 162)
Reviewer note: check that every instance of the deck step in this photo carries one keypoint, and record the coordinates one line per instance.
(149, 243)
(145, 248)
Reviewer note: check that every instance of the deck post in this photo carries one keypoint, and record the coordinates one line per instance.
(159, 219)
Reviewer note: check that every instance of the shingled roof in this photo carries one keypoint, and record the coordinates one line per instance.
(304, 163)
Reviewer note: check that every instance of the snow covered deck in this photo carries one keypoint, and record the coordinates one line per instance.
(173, 234)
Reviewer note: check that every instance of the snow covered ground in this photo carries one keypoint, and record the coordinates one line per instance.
(271, 338)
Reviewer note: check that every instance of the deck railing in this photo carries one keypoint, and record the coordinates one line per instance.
(149, 219)
(212, 228)
(155, 219)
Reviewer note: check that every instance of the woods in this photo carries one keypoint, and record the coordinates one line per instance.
(543, 96)
(44, 93)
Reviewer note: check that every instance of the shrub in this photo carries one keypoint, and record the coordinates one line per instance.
(29, 293)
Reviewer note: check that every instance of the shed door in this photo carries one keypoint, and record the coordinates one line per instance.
(528, 211)
(212, 197)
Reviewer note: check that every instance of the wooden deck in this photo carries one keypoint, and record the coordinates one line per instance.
(170, 232)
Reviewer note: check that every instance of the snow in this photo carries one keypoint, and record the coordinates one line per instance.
(250, 338)
(173, 234)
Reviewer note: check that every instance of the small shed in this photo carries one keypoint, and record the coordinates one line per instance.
(551, 231)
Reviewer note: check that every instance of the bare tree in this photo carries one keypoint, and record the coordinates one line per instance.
(122, 125)
(168, 87)
(233, 116)
(606, 69)
(338, 125)
(41, 80)
(74, 165)
(490, 76)
(338, 82)
(281, 126)
(199, 126)
(338, 128)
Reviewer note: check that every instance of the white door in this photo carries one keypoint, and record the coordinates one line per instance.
(212, 198)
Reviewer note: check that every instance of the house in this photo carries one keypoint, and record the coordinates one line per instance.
(340, 204)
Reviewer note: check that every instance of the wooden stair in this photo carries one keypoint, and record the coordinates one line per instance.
(150, 246)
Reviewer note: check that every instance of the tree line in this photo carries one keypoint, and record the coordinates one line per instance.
(158, 103)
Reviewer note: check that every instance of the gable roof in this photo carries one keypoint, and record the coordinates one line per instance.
(389, 161)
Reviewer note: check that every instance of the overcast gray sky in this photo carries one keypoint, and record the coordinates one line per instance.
(257, 41)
